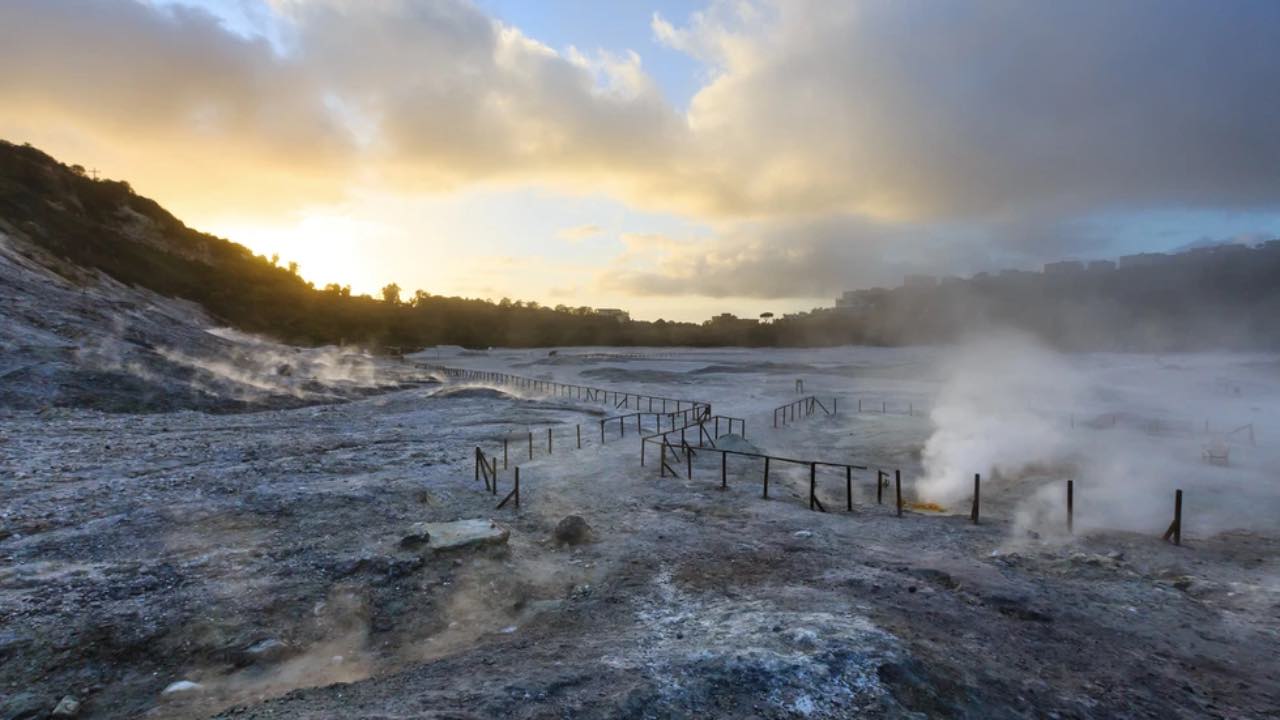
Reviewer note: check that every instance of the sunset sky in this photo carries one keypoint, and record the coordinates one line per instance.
(676, 159)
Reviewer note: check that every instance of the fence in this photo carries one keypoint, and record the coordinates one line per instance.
(887, 407)
(620, 400)
(815, 503)
(701, 413)
(666, 447)
(487, 469)
(804, 407)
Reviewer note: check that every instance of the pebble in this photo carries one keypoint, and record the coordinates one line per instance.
(181, 686)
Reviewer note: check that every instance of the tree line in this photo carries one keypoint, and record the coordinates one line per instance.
(1203, 300)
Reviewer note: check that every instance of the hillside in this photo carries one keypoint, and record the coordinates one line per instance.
(1207, 299)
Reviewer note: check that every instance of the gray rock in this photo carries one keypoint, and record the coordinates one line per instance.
(181, 686)
(268, 650)
(573, 530)
(67, 707)
(454, 535)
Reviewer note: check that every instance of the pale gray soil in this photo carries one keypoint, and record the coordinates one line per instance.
(143, 550)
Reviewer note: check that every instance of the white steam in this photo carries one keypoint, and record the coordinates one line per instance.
(1128, 430)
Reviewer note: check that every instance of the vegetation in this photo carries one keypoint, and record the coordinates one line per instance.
(1201, 300)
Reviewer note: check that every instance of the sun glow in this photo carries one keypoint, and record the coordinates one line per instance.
(327, 248)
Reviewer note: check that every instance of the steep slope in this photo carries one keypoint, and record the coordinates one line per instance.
(76, 337)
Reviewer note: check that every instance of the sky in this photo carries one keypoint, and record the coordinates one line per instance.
(677, 159)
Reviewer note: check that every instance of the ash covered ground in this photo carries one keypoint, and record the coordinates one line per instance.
(188, 563)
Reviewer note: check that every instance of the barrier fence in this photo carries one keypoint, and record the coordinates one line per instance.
(684, 415)
(620, 400)
(683, 450)
(804, 407)
(486, 467)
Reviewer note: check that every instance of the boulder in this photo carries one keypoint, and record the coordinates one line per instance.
(573, 530)
(454, 535)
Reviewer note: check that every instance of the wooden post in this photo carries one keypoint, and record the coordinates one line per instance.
(880, 487)
(897, 483)
(1175, 528)
(859, 404)
(517, 490)
(548, 441)
(835, 405)
(813, 483)
(848, 488)
(688, 460)
(973, 514)
(579, 436)
(765, 494)
(724, 472)
(530, 444)
(477, 463)
(601, 432)
(1070, 507)
(504, 453)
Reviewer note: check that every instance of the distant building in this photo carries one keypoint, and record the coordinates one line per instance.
(1101, 266)
(920, 282)
(1012, 274)
(615, 313)
(1143, 260)
(1064, 267)
(860, 300)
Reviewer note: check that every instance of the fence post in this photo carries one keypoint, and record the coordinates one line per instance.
(973, 514)
(517, 490)
(897, 484)
(880, 475)
(504, 453)
(688, 460)
(813, 483)
(848, 488)
(766, 478)
(1175, 527)
(1070, 507)
(601, 432)
(724, 472)
(579, 436)
(835, 405)
(548, 441)
(530, 444)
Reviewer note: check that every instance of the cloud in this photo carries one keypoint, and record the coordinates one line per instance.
(775, 259)
(989, 110)
(826, 139)
(578, 233)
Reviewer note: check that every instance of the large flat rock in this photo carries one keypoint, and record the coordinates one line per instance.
(457, 534)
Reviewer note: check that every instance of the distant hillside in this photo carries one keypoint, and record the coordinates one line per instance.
(1205, 299)
(103, 225)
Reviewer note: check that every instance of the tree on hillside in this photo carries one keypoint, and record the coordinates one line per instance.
(391, 294)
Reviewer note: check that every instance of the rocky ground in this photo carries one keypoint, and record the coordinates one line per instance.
(185, 564)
